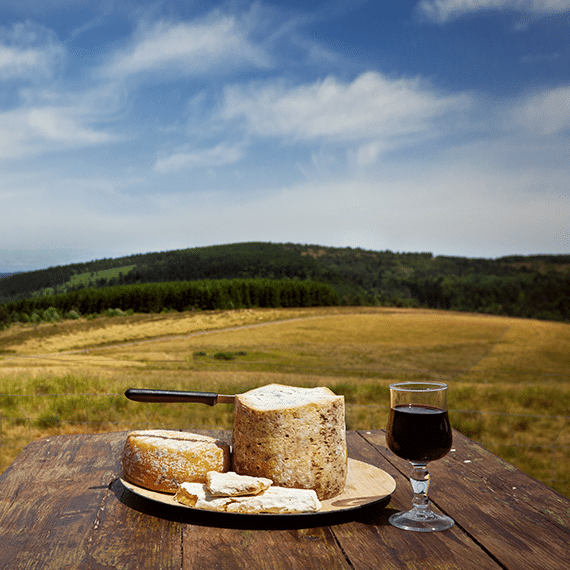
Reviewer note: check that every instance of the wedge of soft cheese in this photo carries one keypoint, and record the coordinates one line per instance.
(231, 484)
(277, 500)
(271, 500)
(294, 436)
(161, 460)
(197, 495)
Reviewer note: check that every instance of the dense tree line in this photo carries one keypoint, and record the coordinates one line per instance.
(533, 295)
(179, 296)
(528, 286)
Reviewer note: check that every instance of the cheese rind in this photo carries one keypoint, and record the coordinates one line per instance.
(294, 436)
(161, 460)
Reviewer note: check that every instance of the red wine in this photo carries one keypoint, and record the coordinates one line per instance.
(419, 432)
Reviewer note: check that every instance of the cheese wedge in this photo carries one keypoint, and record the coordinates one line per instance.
(161, 460)
(277, 500)
(197, 495)
(294, 436)
(272, 500)
(231, 484)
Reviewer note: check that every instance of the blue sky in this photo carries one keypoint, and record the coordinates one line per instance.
(129, 126)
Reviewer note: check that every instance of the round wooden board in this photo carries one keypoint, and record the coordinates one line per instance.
(365, 485)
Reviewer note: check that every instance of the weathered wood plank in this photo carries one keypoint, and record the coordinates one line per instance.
(372, 542)
(496, 505)
(73, 512)
(505, 478)
(383, 546)
(313, 548)
(50, 499)
(128, 537)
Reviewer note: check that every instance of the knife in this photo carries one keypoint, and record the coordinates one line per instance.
(209, 398)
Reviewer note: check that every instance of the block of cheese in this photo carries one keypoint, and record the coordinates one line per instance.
(277, 500)
(197, 495)
(231, 484)
(272, 500)
(294, 436)
(161, 460)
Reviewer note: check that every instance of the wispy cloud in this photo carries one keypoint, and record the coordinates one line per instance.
(186, 159)
(29, 52)
(43, 111)
(442, 11)
(219, 41)
(370, 106)
(35, 130)
(545, 113)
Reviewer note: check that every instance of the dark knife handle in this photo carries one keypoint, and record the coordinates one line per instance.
(142, 395)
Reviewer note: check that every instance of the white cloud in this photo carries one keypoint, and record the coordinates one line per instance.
(35, 130)
(29, 51)
(183, 159)
(59, 124)
(370, 107)
(15, 62)
(368, 153)
(544, 113)
(41, 119)
(215, 43)
(442, 11)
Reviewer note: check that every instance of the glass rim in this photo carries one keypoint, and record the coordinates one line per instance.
(425, 386)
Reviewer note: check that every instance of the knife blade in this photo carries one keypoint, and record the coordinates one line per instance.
(166, 396)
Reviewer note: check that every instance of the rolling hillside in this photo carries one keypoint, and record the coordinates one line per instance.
(523, 286)
(509, 378)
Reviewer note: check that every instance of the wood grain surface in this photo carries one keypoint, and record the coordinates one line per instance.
(63, 506)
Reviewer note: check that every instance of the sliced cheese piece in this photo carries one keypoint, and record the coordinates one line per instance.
(161, 460)
(231, 484)
(272, 500)
(294, 436)
(277, 500)
(197, 495)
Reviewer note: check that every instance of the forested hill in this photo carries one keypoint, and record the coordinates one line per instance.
(525, 286)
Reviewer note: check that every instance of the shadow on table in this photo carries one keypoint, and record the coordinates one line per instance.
(375, 514)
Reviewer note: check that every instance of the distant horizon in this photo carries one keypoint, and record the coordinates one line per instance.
(4, 273)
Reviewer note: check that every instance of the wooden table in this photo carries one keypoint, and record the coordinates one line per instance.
(62, 506)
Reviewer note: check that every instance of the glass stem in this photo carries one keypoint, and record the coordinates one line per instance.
(419, 478)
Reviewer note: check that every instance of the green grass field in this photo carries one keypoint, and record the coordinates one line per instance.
(509, 378)
(87, 279)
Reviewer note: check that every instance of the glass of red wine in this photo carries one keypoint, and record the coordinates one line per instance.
(419, 431)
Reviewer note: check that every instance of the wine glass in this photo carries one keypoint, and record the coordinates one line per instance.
(419, 431)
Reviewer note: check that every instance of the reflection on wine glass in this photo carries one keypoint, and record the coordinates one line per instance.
(419, 431)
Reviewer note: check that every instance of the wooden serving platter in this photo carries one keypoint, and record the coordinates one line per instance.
(365, 486)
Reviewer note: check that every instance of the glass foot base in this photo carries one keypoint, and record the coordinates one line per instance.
(421, 522)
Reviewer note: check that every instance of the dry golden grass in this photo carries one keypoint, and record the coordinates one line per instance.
(85, 333)
(509, 378)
